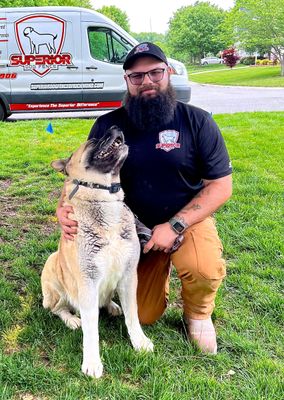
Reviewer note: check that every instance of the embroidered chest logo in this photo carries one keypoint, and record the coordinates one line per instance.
(168, 140)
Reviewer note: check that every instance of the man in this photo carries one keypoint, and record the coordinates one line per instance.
(176, 175)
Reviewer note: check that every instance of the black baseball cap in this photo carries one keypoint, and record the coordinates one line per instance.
(142, 50)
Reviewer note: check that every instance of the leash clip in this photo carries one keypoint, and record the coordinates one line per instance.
(75, 190)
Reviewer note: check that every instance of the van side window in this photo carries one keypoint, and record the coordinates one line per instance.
(107, 45)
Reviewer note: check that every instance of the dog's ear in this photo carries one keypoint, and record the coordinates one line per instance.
(60, 165)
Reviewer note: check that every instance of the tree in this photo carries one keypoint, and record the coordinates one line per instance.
(117, 15)
(194, 31)
(260, 24)
(230, 57)
(38, 3)
(148, 37)
(158, 38)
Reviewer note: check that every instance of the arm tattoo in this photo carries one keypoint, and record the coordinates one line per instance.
(203, 192)
(194, 207)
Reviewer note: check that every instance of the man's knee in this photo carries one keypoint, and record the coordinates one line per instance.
(149, 316)
(200, 257)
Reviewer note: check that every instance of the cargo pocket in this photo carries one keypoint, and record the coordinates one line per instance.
(208, 249)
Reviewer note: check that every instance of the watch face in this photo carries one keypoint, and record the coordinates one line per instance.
(178, 226)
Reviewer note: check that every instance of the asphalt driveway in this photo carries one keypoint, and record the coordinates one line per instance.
(231, 99)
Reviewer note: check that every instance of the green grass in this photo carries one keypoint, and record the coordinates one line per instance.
(40, 358)
(194, 68)
(251, 76)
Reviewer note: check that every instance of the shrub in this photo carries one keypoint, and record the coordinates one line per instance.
(266, 61)
(249, 60)
(230, 57)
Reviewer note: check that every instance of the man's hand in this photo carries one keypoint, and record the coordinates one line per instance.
(162, 239)
(68, 226)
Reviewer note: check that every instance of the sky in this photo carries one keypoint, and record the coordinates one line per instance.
(153, 15)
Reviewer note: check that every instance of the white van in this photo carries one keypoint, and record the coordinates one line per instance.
(65, 59)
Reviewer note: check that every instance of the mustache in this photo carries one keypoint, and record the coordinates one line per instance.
(148, 86)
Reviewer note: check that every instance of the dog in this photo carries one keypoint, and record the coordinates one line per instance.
(84, 274)
(40, 39)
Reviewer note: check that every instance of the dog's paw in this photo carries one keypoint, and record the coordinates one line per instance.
(143, 344)
(95, 370)
(73, 322)
(114, 309)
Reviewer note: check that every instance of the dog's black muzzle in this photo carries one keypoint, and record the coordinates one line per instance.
(105, 153)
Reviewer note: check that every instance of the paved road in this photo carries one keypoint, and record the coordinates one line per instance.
(215, 99)
(231, 99)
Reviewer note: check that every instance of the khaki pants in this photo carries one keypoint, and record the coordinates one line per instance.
(199, 265)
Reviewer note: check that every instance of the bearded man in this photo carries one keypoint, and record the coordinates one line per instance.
(177, 174)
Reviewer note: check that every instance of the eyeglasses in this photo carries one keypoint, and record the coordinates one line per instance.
(155, 75)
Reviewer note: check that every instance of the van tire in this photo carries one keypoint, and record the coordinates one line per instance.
(2, 113)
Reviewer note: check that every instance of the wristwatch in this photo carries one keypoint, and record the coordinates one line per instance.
(178, 225)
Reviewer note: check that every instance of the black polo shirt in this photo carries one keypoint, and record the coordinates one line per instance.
(165, 168)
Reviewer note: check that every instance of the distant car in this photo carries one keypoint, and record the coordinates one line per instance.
(211, 60)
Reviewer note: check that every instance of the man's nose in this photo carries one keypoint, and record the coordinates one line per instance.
(146, 79)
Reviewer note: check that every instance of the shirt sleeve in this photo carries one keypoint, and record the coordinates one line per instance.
(215, 161)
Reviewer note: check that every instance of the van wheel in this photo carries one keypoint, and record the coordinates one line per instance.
(2, 113)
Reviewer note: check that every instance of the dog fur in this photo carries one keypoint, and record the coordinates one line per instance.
(84, 274)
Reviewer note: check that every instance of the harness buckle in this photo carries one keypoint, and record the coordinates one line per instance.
(115, 187)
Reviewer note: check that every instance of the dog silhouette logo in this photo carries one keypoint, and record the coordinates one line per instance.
(40, 39)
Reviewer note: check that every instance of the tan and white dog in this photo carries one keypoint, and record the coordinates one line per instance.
(84, 274)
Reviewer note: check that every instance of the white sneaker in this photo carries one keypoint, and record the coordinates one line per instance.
(202, 333)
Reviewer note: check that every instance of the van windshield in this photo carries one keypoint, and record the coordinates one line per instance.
(107, 45)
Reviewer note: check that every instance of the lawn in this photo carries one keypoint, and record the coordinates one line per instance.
(40, 358)
(194, 68)
(250, 76)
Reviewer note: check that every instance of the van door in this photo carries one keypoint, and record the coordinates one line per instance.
(45, 52)
(5, 76)
(104, 51)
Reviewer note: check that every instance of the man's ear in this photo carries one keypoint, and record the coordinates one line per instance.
(60, 165)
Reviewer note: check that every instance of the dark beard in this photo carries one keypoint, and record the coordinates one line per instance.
(151, 113)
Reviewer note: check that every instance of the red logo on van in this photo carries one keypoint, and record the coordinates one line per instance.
(40, 38)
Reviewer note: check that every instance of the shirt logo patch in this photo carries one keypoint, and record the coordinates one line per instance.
(168, 140)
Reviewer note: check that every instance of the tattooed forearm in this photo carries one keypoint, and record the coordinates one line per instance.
(194, 207)
(206, 201)
(204, 192)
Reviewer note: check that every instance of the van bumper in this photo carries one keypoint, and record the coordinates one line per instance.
(183, 93)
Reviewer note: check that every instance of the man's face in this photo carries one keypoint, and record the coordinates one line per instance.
(147, 88)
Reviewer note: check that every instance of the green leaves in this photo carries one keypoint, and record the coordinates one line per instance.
(258, 24)
(38, 3)
(117, 15)
(195, 31)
